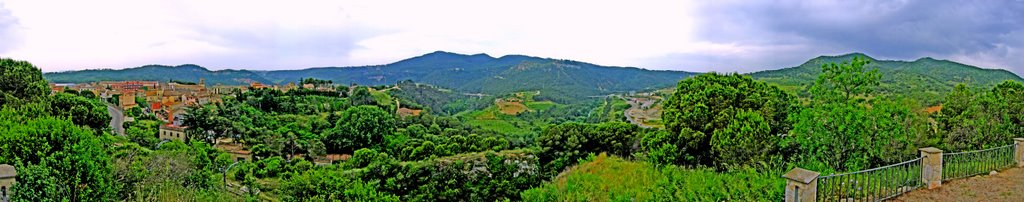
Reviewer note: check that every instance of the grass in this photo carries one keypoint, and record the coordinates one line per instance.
(608, 178)
(499, 125)
(542, 105)
(382, 97)
(503, 115)
(511, 108)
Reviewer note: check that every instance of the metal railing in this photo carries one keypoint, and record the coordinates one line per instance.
(970, 163)
(874, 184)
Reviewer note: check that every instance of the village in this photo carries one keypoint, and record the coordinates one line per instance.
(167, 101)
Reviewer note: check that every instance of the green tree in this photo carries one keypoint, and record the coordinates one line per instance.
(562, 145)
(80, 110)
(846, 132)
(360, 127)
(20, 81)
(704, 108)
(975, 119)
(361, 96)
(56, 160)
(747, 140)
(846, 81)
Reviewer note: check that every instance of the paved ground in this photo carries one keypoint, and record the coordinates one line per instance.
(636, 114)
(116, 119)
(1004, 186)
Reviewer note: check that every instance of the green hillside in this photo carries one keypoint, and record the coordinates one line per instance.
(188, 72)
(926, 79)
(558, 80)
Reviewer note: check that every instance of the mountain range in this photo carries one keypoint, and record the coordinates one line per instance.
(478, 73)
(926, 79)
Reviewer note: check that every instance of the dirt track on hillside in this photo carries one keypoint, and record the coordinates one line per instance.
(1004, 186)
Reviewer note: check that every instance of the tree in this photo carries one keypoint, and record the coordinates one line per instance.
(746, 140)
(361, 96)
(976, 119)
(20, 81)
(844, 131)
(562, 145)
(80, 110)
(360, 127)
(704, 108)
(56, 160)
(845, 81)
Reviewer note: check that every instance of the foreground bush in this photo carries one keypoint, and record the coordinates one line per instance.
(614, 179)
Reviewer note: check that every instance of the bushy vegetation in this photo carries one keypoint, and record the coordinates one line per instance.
(720, 120)
(609, 178)
(727, 137)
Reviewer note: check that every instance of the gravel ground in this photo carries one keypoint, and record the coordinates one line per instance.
(1007, 185)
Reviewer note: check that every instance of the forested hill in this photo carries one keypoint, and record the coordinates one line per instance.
(478, 73)
(482, 73)
(188, 72)
(925, 79)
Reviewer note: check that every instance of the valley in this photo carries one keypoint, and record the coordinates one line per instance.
(525, 127)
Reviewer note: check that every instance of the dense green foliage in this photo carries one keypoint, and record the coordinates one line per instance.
(715, 119)
(727, 136)
(435, 100)
(614, 179)
(20, 81)
(360, 127)
(982, 119)
(925, 80)
(847, 127)
(56, 159)
(562, 145)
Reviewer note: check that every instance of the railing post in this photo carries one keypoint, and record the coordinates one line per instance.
(931, 167)
(1018, 155)
(801, 185)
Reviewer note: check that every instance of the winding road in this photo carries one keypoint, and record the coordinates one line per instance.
(116, 119)
(637, 109)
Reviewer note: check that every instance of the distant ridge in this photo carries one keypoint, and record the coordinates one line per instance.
(478, 73)
(186, 72)
(925, 79)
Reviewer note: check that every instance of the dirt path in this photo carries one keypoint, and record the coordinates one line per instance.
(1004, 186)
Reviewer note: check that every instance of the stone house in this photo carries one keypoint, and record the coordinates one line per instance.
(172, 132)
(7, 174)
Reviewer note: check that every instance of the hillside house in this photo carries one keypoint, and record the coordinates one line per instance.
(237, 150)
(7, 178)
(172, 132)
(127, 101)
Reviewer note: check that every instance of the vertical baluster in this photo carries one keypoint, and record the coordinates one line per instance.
(888, 175)
(880, 177)
(871, 185)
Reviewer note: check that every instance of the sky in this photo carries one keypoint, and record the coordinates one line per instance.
(700, 36)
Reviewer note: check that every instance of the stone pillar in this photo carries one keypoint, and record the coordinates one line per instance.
(801, 185)
(1018, 154)
(931, 167)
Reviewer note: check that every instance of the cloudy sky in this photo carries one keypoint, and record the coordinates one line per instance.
(716, 35)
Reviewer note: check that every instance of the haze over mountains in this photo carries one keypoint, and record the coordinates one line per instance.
(481, 73)
(478, 73)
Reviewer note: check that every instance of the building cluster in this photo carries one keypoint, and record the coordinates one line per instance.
(167, 102)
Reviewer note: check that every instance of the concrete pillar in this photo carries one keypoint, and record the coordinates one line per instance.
(801, 185)
(1018, 154)
(931, 167)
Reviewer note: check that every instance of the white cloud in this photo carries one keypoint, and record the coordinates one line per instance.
(727, 36)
